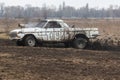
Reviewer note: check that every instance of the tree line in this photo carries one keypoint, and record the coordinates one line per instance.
(62, 11)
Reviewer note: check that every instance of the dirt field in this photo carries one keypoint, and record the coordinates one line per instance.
(40, 63)
(59, 63)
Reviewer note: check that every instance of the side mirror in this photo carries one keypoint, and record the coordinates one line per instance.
(73, 26)
(18, 24)
(21, 25)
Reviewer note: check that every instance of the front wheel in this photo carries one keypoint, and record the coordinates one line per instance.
(30, 41)
(80, 43)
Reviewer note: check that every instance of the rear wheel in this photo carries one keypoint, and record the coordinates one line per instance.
(30, 41)
(80, 43)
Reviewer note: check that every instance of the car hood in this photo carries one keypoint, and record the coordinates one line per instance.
(25, 30)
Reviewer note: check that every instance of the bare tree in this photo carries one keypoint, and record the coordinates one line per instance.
(63, 11)
(1, 9)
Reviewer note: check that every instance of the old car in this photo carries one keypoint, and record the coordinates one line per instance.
(55, 31)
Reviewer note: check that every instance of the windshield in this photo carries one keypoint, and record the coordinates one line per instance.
(41, 24)
(64, 24)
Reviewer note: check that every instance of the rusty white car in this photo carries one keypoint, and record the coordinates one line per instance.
(55, 31)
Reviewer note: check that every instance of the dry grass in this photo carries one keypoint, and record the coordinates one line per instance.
(105, 26)
(11, 24)
(4, 36)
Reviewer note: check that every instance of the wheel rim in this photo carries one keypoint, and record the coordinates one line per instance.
(31, 42)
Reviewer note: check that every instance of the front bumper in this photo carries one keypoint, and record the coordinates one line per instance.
(15, 36)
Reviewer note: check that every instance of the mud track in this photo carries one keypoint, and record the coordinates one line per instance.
(41, 63)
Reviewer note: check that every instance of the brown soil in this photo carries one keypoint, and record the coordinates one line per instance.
(45, 63)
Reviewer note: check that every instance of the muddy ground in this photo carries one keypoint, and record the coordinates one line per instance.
(50, 63)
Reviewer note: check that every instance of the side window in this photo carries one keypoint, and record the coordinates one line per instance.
(53, 25)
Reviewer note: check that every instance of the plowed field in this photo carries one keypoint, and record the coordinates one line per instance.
(45, 63)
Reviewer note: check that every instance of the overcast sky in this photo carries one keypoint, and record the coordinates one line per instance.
(74, 3)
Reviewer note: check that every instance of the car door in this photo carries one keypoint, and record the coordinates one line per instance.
(54, 32)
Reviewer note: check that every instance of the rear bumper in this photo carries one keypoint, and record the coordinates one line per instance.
(94, 36)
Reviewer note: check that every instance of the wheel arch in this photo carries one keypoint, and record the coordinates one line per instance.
(82, 36)
(29, 35)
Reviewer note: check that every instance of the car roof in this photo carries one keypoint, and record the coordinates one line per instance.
(49, 20)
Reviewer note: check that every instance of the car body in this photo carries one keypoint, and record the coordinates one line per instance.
(52, 30)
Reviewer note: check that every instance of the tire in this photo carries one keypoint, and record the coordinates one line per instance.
(19, 43)
(80, 43)
(30, 41)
